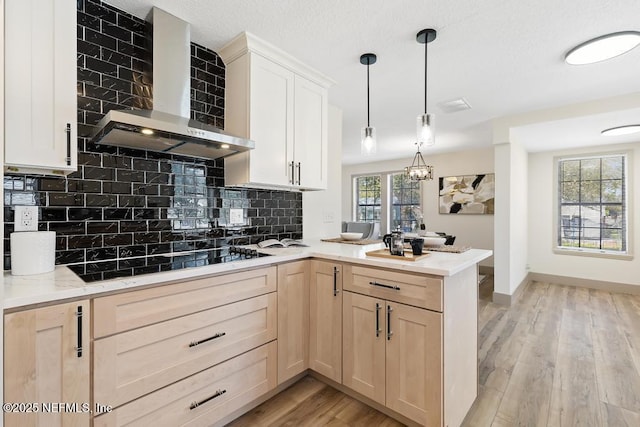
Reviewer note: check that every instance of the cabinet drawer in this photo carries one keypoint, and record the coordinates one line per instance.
(122, 312)
(414, 289)
(137, 362)
(205, 398)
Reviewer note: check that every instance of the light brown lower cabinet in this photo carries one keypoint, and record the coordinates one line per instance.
(325, 324)
(187, 353)
(136, 362)
(46, 366)
(205, 398)
(293, 319)
(392, 354)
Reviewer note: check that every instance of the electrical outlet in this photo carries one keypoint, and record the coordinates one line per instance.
(328, 216)
(26, 218)
(236, 216)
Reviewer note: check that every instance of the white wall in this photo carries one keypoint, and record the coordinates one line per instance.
(519, 216)
(321, 209)
(471, 230)
(511, 218)
(1, 178)
(541, 215)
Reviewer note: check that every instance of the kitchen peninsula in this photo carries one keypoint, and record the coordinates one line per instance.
(206, 344)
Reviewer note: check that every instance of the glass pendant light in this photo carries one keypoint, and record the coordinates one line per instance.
(425, 122)
(368, 134)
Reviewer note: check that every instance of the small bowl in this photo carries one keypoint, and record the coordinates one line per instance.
(434, 241)
(351, 236)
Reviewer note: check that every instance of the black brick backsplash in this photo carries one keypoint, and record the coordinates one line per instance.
(124, 203)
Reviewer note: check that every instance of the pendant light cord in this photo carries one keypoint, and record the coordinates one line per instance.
(368, 124)
(426, 43)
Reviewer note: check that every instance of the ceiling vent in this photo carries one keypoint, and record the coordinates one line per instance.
(454, 105)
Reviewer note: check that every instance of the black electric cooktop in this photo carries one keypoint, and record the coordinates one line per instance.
(105, 270)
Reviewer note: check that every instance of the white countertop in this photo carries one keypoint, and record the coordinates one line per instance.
(63, 284)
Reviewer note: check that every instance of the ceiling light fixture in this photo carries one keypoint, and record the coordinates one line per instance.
(419, 170)
(368, 134)
(621, 130)
(603, 48)
(425, 122)
(146, 131)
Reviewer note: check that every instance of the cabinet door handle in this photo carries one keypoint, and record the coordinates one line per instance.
(382, 285)
(335, 281)
(78, 314)
(299, 169)
(293, 174)
(378, 330)
(68, 158)
(218, 335)
(218, 393)
(389, 331)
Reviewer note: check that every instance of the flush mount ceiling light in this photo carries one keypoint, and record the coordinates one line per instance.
(146, 131)
(419, 170)
(621, 130)
(425, 122)
(368, 135)
(603, 48)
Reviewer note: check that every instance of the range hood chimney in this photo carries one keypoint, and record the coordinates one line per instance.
(168, 127)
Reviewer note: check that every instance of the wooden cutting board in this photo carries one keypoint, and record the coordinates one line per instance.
(408, 256)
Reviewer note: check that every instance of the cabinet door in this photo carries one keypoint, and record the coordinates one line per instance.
(293, 319)
(325, 324)
(42, 363)
(311, 137)
(271, 118)
(40, 86)
(414, 363)
(364, 345)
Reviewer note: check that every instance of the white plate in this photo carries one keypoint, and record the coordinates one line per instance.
(434, 241)
(351, 236)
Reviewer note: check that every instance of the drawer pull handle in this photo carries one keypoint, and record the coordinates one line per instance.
(218, 335)
(194, 405)
(382, 285)
(68, 158)
(378, 330)
(78, 314)
(389, 331)
(335, 281)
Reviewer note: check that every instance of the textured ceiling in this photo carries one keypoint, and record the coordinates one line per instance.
(504, 57)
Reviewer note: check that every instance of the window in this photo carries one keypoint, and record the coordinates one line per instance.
(368, 198)
(592, 203)
(405, 197)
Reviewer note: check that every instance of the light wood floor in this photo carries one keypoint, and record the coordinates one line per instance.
(560, 356)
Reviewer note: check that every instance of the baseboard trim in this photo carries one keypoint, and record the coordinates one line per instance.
(622, 288)
(508, 300)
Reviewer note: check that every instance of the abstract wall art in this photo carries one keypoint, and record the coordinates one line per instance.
(467, 194)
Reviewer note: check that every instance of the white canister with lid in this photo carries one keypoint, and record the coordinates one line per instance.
(32, 252)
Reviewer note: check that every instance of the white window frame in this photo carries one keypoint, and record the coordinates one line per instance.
(355, 194)
(628, 200)
(385, 195)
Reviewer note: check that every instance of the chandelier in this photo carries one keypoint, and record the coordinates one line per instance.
(419, 170)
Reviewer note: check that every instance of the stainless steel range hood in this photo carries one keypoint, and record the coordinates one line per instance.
(167, 128)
